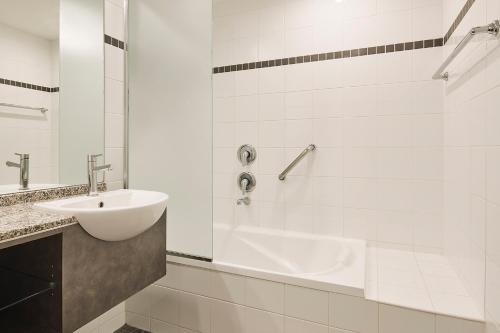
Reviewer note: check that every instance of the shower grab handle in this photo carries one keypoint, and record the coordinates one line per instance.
(310, 148)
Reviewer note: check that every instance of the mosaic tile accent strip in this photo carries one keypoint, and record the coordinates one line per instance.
(458, 19)
(46, 194)
(114, 42)
(129, 329)
(26, 85)
(364, 51)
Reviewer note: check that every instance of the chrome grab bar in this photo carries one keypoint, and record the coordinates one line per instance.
(42, 110)
(306, 151)
(492, 29)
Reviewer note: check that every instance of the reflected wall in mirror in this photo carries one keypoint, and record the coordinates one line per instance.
(51, 77)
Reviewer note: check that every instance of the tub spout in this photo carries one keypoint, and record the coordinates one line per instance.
(245, 200)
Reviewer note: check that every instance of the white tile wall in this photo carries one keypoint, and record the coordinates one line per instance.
(32, 59)
(239, 304)
(108, 322)
(114, 93)
(377, 120)
(471, 160)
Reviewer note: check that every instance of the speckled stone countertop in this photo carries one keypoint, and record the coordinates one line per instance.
(25, 219)
(19, 217)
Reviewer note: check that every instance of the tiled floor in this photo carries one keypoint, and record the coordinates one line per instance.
(419, 281)
(129, 329)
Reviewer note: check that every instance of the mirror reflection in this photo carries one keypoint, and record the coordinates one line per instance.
(49, 50)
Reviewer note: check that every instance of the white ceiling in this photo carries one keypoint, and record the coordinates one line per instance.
(38, 17)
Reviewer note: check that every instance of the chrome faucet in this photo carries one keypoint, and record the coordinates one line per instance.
(246, 182)
(92, 170)
(244, 189)
(24, 170)
(244, 200)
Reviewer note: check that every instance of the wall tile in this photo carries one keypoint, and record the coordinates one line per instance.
(306, 304)
(293, 325)
(395, 320)
(114, 62)
(446, 324)
(262, 321)
(264, 295)
(353, 313)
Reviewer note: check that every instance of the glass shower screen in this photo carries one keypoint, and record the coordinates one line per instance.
(170, 114)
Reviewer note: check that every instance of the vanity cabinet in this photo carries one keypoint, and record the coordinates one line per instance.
(30, 286)
(59, 283)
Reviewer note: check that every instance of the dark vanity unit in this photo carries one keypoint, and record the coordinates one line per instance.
(30, 286)
(57, 280)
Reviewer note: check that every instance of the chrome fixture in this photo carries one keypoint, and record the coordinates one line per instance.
(491, 29)
(24, 170)
(92, 170)
(310, 148)
(244, 200)
(247, 154)
(246, 183)
(42, 110)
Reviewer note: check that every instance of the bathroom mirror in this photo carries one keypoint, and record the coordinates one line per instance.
(51, 91)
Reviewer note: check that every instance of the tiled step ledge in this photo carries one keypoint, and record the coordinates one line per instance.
(420, 281)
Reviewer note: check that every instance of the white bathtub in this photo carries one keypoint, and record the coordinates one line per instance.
(312, 261)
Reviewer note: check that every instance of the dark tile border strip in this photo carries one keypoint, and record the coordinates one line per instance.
(28, 85)
(365, 51)
(114, 42)
(458, 19)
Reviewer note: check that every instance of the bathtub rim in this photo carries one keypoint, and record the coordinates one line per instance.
(356, 289)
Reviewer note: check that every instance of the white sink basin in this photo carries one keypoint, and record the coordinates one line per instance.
(115, 215)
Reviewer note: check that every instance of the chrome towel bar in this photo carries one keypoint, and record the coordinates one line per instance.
(492, 29)
(289, 168)
(42, 110)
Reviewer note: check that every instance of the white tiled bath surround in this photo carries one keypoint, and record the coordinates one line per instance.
(376, 120)
(472, 160)
(192, 299)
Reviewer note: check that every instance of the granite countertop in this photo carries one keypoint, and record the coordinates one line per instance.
(25, 219)
(19, 217)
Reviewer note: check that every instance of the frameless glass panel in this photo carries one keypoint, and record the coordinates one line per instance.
(170, 114)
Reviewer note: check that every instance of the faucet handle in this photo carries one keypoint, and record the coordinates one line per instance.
(93, 157)
(23, 156)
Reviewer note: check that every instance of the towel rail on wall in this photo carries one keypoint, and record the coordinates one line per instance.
(42, 110)
(492, 29)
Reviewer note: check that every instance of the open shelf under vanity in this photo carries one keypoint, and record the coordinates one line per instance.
(16, 287)
(30, 287)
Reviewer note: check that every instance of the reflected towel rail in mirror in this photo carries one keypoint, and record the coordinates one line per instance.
(492, 29)
(42, 110)
(289, 168)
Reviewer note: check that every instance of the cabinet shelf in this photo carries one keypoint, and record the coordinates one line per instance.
(16, 287)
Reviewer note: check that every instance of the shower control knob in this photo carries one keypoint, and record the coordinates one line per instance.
(247, 154)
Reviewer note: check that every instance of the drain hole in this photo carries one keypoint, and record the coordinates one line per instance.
(101, 204)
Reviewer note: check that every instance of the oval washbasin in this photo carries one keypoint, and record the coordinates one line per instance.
(114, 215)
